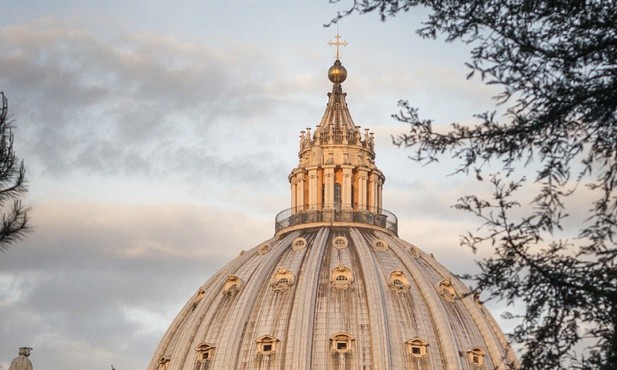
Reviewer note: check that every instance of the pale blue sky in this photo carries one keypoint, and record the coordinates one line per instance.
(158, 138)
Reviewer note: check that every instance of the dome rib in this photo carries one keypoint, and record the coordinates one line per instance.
(377, 313)
(254, 277)
(304, 306)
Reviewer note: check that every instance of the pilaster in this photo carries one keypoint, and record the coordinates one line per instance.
(313, 185)
(347, 187)
(300, 192)
(362, 192)
(328, 203)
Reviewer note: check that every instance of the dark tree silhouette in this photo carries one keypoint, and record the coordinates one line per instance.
(556, 65)
(12, 185)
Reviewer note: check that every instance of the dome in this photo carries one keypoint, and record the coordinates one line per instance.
(335, 287)
(22, 362)
(319, 297)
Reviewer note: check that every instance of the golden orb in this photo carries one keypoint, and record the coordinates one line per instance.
(337, 73)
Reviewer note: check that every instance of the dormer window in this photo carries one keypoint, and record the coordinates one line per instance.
(398, 281)
(232, 286)
(205, 352)
(446, 289)
(341, 343)
(198, 298)
(341, 277)
(282, 279)
(164, 363)
(416, 347)
(476, 356)
(266, 345)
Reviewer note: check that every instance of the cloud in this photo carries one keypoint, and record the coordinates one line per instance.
(106, 279)
(143, 117)
(119, 104)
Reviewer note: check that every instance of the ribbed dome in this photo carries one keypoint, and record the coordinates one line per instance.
(321, 297)
(335, 288)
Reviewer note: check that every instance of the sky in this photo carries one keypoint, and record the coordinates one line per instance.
(158, 136)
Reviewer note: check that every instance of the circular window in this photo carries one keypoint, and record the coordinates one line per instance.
(263, 249)
(413, 250)
(380, 245)
(298, 244)
(339, 242)
(447, 290)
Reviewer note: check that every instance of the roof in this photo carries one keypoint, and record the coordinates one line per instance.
(316, 294)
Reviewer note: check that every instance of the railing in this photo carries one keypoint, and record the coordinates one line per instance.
(376, 217)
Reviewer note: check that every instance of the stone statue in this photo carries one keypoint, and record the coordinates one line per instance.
(22, 362)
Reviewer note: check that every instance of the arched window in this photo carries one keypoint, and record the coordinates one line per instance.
(341, 277)
(282, 279)
(398, 281)
(337, 196)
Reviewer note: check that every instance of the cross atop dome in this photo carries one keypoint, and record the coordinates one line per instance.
(338, 43)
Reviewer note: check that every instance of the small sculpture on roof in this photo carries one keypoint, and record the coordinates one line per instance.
(22, 362)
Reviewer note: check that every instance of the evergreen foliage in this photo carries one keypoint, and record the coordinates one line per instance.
(556, 65)
(12, 185)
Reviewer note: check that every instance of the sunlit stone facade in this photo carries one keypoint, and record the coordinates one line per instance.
(334, 288)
